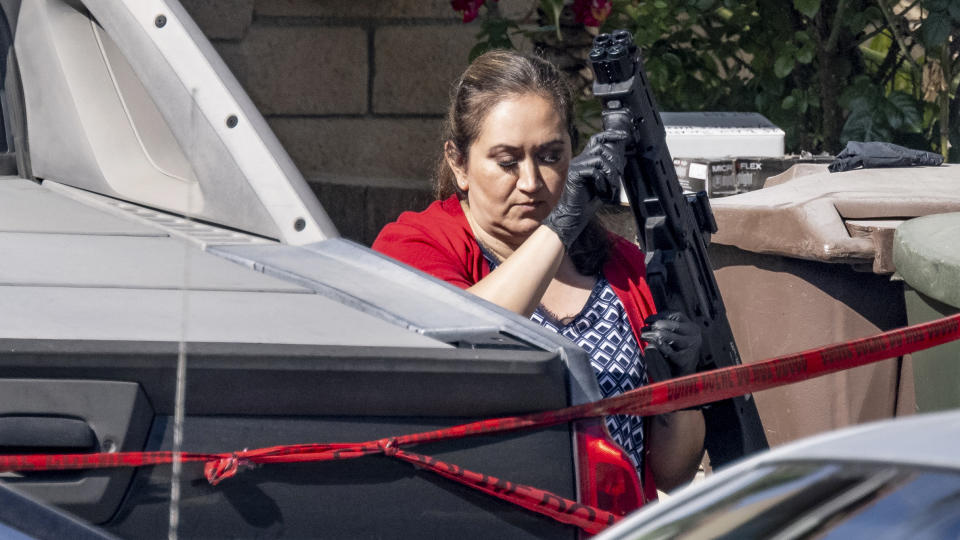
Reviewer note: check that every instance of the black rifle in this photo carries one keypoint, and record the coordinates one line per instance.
(671, 230)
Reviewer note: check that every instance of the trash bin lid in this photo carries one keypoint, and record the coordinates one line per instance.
(846, 217)
(927, 255)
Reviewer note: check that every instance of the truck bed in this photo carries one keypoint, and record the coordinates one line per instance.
(324, 343)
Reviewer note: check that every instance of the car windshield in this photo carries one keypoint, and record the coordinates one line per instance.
(828, 501)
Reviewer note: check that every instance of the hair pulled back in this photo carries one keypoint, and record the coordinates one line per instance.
(494, 77)
(491, 78)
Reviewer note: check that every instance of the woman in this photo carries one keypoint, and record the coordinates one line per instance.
(514, 224)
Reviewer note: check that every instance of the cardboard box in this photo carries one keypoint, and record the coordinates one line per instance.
(752, 172)
(715, 176)
(719, 135)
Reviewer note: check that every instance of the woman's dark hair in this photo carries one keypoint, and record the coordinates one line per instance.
(493, 77)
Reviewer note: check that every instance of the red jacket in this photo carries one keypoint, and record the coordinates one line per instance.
(439, 241)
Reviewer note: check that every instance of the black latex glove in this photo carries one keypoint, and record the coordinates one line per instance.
(677, 339)
(593, 178)
(881, 154)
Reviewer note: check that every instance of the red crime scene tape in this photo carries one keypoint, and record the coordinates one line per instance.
(653, 399)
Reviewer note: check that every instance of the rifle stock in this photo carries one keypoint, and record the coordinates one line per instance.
(673, 230)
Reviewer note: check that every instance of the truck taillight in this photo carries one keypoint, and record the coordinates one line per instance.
(608, 480)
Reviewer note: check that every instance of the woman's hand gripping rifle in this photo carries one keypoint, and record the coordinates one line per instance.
(672, 229)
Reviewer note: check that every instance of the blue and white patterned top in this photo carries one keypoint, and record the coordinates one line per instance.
(603, 330)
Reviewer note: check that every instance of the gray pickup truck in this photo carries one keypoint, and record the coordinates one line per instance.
(151, 224)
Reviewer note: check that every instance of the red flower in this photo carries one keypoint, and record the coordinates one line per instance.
(470, 8)
(591, 12)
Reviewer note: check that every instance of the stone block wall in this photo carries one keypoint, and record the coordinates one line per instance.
(355, 90)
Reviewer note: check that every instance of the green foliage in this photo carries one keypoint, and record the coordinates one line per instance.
(494, 34)
(826, 71)
(943, 16)
(936, 29)
(552, 10)
(800, 101)
(806, 47)
(876, 115)
(785, 62)
(807, 7)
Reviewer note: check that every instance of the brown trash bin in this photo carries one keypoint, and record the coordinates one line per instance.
(808, 263)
